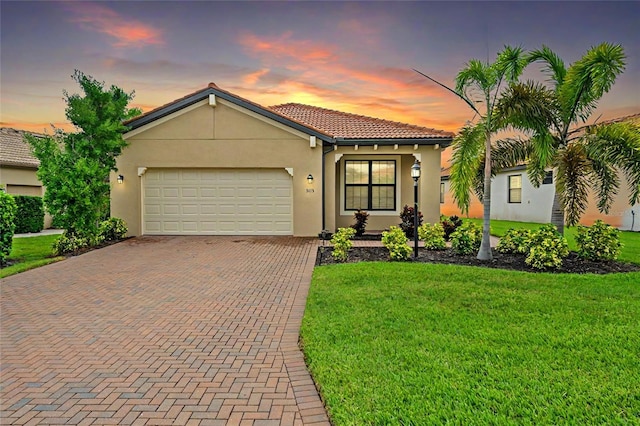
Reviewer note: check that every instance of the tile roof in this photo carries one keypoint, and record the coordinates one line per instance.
(14, 151)
(344, 125)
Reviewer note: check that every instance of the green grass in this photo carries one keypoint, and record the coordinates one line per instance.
(630, 240)
(31, 252)
(392, 343)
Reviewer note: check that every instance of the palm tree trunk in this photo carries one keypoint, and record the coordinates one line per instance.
(485, 246)
(557, 213)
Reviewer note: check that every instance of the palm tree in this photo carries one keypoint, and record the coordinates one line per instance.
(480, 82)
(583, 157)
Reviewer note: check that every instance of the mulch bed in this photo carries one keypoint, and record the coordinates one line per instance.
(572, 264)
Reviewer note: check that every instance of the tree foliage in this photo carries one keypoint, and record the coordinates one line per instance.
(75, 167)
(586, 159)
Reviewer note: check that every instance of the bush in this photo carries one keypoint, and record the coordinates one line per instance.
(361, 217)
(450, 224)
(547, 248)
(70, 243)
(30, 215)
(113, 229)
(433, 236)
(598, 242)
(466, 238)
(395, 241)
(8, 211)
(342, 243)
(407, 224)
(514, 241)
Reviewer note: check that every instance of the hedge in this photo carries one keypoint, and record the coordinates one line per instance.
(30, 215)
(7, 217)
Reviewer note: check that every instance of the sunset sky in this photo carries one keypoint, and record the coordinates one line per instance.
(351, 56)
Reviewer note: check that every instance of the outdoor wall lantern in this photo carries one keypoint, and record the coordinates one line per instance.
(120, 178)
(310, 179)
(415, 174)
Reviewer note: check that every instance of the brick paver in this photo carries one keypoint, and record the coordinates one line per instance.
(161, 331)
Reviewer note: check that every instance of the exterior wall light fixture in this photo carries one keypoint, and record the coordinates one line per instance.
(310, 179)
(120, 178)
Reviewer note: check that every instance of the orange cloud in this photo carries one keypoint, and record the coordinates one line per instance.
(127, 32)
(283, 47)
(252, 78)
(41, 127)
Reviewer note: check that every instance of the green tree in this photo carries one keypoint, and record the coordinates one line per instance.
(8, 211)
(480, 82)
(75, 167)
(587, 157)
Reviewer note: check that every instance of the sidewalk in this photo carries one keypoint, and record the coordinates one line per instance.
(38, 234)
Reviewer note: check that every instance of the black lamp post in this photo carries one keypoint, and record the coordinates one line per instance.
(415, 174)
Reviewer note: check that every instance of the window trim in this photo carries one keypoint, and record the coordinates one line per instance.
(510, 189)
(548, 177)
(370, 185)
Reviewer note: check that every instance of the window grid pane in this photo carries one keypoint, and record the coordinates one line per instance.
(383, 172)
(357, 172)
(515, 189)
(357, 197)
(383, 198)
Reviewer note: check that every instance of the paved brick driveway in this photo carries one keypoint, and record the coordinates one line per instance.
(159, 331)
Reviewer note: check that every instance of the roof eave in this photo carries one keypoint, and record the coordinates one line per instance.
(444, 141)
(199, 96)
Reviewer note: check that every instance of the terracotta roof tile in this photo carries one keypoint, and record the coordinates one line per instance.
(14, 151)
(352, 126)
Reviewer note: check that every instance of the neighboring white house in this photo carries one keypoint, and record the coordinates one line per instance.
(513, 197)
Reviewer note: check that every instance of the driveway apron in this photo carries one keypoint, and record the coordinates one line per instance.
(161, 331)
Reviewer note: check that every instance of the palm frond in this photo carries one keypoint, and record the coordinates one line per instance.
(475, 75)
(527, 106)
(572, 183)
(509, 152)
(588, 79)
(509, 63)
(542, 155)
(468, 153)
(554, 65)
(617, 144)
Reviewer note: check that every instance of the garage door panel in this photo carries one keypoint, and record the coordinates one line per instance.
(218, 201)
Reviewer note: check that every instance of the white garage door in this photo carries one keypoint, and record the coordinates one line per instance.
(217, 202)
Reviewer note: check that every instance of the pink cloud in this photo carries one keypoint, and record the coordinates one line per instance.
(125, 31)
(252, 78)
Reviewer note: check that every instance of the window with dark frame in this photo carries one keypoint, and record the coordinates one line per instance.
(515, 188)
(441, 192)
(548, 178)
(370, 185)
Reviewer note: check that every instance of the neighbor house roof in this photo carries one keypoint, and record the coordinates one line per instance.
(14, 151)
(343, 126)
(328, 125)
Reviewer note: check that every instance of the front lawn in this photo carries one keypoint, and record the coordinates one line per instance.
(29, 253)
(630, 240)
(402, 343)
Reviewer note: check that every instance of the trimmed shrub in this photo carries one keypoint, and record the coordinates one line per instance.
(466, 238)
(450, 224)
(70, 243)
(407, 224)
(8, 210)
(396, 242)
(113, 229)
(30, 216)
(514, 241)
(598, 242)
(547, 248)
(361, 217)
(342, 243)
(433, 236)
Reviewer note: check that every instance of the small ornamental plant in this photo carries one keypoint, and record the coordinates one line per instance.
(514, 241)
(70, 243)
(547, 248)
(598, 242)
(342, 243)
(466, 238)
(433, 236)
(396, 242)
(113, 229)
(407, 225)
(450, 224)
(361, 217)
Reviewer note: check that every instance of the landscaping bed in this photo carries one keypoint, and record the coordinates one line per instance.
(571, 264)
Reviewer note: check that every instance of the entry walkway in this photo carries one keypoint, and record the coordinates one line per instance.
(161, 331)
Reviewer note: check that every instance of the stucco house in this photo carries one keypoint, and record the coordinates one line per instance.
(18, 167)
(513, 197)
(214, 163)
